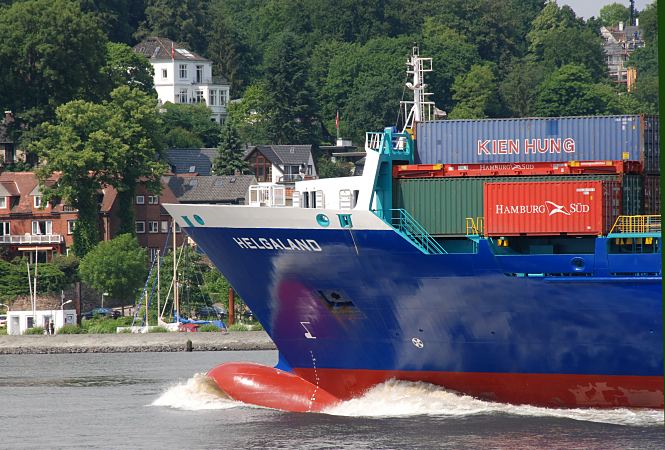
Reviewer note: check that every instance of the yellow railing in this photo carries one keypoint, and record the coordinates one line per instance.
(636, 224)
(475, 226)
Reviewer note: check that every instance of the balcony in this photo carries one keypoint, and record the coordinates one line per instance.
(31, 239)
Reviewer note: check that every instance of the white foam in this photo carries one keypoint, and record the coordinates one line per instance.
(402, 398)
(197, 393)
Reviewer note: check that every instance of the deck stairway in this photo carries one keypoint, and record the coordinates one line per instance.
(411, 230)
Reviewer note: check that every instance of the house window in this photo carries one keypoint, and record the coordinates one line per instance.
(4, 229)
(213, 97)
(38, 201)
(182, 68)
(224, 97)
(70, 226)
(181, 97)
(198, 96)
(165, 73)
(199, 74)
(3, 202)
(153, 199)
(42, 227)
(139, 226)
(140, 200)
(153, 226)
(164, 226)
(153, 252)
(177, 228)
(261, 166)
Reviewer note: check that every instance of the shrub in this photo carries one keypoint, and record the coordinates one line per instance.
(3, 331)
(157, 330)
(208, 327)
(34, 330)
(70, 328)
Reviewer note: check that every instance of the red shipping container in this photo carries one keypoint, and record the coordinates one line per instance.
(651, 194)
(551, 208)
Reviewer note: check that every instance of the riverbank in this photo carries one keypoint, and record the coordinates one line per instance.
(124, 342)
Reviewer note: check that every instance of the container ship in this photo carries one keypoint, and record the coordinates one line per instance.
(514, 260)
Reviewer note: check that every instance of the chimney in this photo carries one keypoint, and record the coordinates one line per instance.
(9, 117)
(620, 26)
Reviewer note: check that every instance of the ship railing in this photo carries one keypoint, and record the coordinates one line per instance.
(643, 225)
(374, 140)
(475, 226)
(411, 229)
(272, 195)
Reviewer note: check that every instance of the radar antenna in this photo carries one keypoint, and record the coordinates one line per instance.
(419, 109)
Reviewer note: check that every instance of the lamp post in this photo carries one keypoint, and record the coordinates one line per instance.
(62, 305)
(105, 294)
(62, 309)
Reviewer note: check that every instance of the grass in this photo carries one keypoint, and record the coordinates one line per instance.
(208, 327)
(70, 329)
(104, 325)
(157, 330)
(34, 330)
(3, 331)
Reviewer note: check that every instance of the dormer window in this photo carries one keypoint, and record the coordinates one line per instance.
(38, 201)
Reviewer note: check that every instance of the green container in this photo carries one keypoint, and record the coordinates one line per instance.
(441, 205)
(633, 195)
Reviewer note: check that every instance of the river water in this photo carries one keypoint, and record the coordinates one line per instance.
(163, 401)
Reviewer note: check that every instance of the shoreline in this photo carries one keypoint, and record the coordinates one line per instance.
(127, 343)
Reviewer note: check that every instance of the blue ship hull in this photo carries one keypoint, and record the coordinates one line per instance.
(349, 308)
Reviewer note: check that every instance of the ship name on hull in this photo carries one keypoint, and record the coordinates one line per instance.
(303, 245)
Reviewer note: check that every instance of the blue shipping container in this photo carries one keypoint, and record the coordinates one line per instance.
(542, 139)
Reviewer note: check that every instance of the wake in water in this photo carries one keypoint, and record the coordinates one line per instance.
(402, 399)
(197, 393)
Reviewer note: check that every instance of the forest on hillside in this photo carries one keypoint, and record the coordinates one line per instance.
(296, 63)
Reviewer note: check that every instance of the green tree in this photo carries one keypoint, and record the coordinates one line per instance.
(327, 168)
(574, 45)
(125, 67)
(570, 91)
(184, 21)
(230, 158)
(50, 53)
(475, 94)
(118, 18)
(551, 17)
(231, 56)
(250, 117)
(92, 145)
(193, 119)
(118, 266)
(14, 279)
(519, 88)
(649, 23)
(290, 101)
(614, 13)
(451, 54)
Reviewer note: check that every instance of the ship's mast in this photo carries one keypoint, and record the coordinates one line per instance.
(420, 108)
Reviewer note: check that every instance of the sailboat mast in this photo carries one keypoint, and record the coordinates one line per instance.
(176, 304)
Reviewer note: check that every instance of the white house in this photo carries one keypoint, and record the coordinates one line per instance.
(182, 76)
(19, 321)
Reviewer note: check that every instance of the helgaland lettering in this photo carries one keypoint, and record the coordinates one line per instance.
(301, 245)
(525, 147)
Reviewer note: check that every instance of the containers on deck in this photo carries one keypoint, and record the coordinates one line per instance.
(551, 208)
(652, 194)
(546, 139)
(442, 205)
